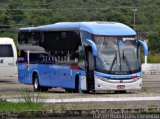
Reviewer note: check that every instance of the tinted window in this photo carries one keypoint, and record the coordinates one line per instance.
(40, 58)
(84, 36)
(32, 38)
(6, 51)
(36, 58)
(61, 40)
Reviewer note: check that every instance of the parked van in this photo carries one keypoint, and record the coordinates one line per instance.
(8, 58)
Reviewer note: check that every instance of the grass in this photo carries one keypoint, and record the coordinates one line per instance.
(150, 112)
(9, 106)
(33, 104)
(27, 101)
(103, 105)
(32, 109)
(32, 98)
(38, 104)
(16, 110)
(152, 57)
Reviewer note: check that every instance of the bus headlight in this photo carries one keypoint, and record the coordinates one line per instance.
(101, 78)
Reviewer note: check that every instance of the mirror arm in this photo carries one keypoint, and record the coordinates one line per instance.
(142, 43)
(93, 45)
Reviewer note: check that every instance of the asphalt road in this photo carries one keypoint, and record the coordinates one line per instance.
(11, 88)
(151, 82)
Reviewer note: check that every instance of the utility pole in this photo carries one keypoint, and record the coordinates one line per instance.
(134, 19)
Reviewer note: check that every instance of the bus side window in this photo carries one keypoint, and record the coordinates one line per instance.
(81, 56)
(64, 37)
(74, 41)
(23, 37)
(33, 58)
(84, 35)
(21, 56)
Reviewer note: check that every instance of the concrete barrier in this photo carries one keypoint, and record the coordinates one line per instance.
(151, 68)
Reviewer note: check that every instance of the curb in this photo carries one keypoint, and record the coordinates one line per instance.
(92, 100)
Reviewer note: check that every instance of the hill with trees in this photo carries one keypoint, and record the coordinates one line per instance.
(15, 14)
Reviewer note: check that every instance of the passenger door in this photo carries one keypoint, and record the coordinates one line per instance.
(89, 70)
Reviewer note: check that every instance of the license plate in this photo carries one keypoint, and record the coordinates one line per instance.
(121, 87)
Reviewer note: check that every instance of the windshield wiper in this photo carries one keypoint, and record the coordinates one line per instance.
(115, 58)
(127, 62)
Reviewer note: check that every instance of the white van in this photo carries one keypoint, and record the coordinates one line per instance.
(8, 58)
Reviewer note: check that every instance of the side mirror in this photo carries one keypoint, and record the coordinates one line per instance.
(145, 49)
(93, 45)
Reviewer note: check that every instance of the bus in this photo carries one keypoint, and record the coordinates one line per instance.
(8, 58)
(80, 57)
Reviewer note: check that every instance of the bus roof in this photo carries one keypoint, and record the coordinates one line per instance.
(97, 28)
(31, 48)
(5, 40)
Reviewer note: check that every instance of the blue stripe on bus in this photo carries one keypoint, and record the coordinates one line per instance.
(117, 77)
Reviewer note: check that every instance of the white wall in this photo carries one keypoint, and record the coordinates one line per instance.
(151, 68)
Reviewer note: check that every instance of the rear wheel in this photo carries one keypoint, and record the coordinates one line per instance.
(36, 85)
(44, 89)
(76, 90)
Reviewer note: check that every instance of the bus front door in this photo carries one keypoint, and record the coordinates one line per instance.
(90, 83)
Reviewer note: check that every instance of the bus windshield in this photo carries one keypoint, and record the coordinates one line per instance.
(117, 55)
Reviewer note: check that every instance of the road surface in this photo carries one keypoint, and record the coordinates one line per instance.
(11, 88)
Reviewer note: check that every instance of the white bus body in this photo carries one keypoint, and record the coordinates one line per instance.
(8, 58)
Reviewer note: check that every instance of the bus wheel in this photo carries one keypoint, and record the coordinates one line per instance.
(36, 85)
(69, 90)
(77, 86)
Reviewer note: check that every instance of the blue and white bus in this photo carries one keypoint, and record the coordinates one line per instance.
(80, 56)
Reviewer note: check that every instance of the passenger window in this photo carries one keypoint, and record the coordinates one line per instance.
(40, 58)
(81, 56)
(64, 36)
(6, 51)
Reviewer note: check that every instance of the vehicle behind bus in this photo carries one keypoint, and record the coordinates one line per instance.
(8, 58)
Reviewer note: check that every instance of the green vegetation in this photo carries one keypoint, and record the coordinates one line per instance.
(33, 105)
(15, 14)
(151, 112)
(9, 106)
(32, 98)
(153, 57)
(27, 101)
